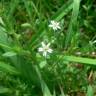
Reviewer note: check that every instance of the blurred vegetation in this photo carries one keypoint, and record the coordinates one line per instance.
(70, 70)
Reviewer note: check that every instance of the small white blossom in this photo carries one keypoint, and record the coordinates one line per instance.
(93, 53)
(78, 53)
(45, 49)
(54, 25)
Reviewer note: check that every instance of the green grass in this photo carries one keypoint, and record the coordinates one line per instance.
(69, 70)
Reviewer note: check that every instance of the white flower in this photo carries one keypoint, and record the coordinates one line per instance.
(55, 25)
(93, 53)
(78, 53)
(45, 49)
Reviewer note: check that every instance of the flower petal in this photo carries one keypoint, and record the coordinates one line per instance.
(43, 44)
(52, 21)
(58, 27)
(50, 25)
(44, 53)
(50, 50)
(40, 49)
(48, 45)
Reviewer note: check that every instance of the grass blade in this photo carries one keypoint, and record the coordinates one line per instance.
(8, 68)
(80, 60)
(72, 26)
(4, 90)
(63, 11)
(90, 91)
(45, 89)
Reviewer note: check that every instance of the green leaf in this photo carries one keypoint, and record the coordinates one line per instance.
(9, 54)
(42, 64)
(62, 92)
(12, 8)
(63, 11)
(3, 36)
(25, 25)
(1, 21)
(8, 68)
(80, 60)
(73, 23)
(29, 6)
(4, 90)
(90, 91)
(45, 89)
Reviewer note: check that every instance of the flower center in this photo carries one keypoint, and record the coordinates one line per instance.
(46, 48)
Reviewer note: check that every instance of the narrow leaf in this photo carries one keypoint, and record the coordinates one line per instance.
(80, 60)
(73, 23)
(8, 68)
(9, 54)
(45, 89)
(4, 90)
(90, 91)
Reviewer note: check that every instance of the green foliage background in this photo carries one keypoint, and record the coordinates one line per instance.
(24, 25)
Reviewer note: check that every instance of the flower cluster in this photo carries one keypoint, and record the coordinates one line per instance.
(45, 49)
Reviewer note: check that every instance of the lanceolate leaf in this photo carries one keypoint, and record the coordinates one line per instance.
(9, 54)
(80, 60)
(90, 91)
(8, 68)
(63, 11)
(4, 90)
(73, 23)
(45, 89)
